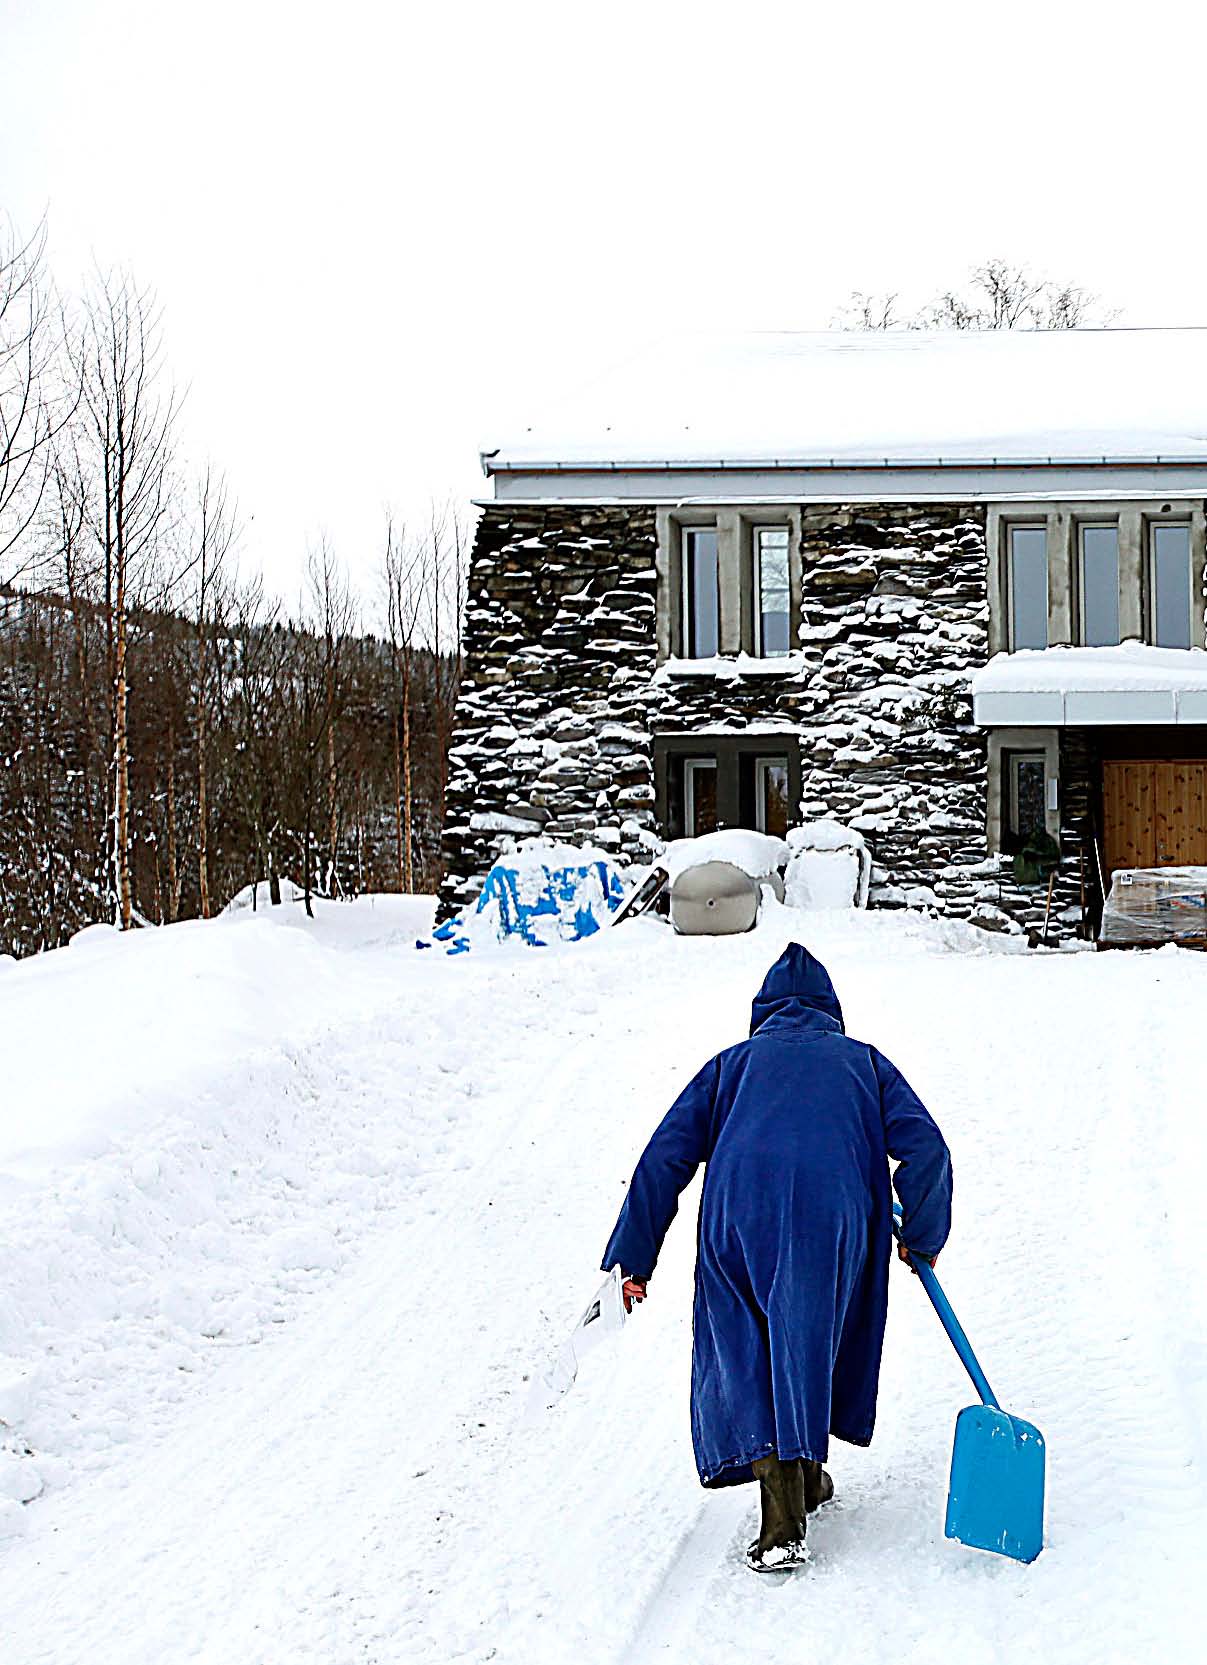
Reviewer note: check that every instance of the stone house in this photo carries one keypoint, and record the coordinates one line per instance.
(879, 578)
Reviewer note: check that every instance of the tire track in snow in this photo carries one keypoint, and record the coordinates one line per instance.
(671, 1609)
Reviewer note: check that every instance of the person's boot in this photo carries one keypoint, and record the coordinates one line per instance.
(781, 1541)
(819, 1488)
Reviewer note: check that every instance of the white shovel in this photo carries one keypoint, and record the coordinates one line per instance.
(605, 1316)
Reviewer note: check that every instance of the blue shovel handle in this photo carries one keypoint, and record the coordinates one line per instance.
(949, 1320)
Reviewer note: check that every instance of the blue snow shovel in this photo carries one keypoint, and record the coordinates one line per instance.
(995, 1499)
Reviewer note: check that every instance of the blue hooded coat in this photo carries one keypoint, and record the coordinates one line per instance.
(797, 1126)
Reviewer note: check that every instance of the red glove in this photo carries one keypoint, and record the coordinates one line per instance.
(633, 1289)
(907, 1255)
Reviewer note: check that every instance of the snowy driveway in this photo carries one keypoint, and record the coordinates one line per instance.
(301, 1434)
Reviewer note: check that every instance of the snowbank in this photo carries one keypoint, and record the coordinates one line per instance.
(285, 1324)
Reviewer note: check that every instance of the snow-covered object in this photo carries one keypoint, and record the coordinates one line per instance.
(755, 853)
(1156, 904)
(256, 897)
(541, 893)
(1084, 685)
(871, 397)
(830, 867)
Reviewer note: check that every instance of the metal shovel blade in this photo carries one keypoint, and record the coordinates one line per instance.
(996, 1497)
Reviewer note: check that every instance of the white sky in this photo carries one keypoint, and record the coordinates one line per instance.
(386, 233)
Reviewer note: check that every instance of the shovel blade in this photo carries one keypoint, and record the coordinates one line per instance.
(996, 1497)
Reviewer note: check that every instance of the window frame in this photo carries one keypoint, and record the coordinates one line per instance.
(734, 754)
(1132, 515)
(687, 591)
(762, 763)
(1097, 523)
(1030, 524)
(1012, 835)
(690, 766)
(1003, 741)
(733, 524)
(1151, 527)
(757, 529)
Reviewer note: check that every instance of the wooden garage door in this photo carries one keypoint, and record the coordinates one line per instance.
(1155, 814)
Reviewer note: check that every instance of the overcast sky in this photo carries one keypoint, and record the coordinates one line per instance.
(385, 234)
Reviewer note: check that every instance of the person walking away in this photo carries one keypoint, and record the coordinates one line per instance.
(797, 1126)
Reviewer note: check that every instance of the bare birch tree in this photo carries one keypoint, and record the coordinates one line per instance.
(123, 479)
(403, 571)
(214, 533)
(445, 586)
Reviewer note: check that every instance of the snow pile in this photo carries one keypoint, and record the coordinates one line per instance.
(541, 893)
(254, 897)
(754, 853)
(830, 867)
(181, 1176)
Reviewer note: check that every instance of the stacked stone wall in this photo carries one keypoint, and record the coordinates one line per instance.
(563, 697)
(551, 734)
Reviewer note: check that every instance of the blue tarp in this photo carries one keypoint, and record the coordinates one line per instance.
(540, 901)
(796, 1125)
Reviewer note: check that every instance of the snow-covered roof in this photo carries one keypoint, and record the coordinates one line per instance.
(1072, 686)
(876, 399)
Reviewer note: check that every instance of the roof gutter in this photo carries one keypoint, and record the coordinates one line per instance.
(492, 464)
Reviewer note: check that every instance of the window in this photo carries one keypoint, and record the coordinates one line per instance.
(1098, 585)
(771, 592)
(729, 582)
(699, 796)
(708, 781)
(1023, 799)
(1027, 584)
(1169, 585)
(701, 593)
(771, 795)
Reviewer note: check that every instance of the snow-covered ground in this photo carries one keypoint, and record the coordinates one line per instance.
(290, 1210)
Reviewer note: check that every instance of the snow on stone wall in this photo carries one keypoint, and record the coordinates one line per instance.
(563, 697)
(551, 735)
(896, 620)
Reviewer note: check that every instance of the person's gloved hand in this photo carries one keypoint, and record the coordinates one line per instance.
(907, 1256)
(633, 1289)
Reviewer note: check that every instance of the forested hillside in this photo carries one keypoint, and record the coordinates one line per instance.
(170, 733)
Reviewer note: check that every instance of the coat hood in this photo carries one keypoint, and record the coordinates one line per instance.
(796, 989)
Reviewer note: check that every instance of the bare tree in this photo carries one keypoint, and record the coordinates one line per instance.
(214, 532)
(870, 312)
(996, 296)
(34, 404)
(333, 603)
(445, 588)
(403, 573)
(123, 482)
